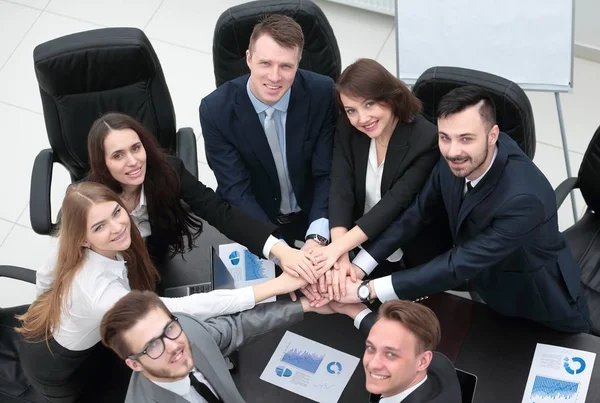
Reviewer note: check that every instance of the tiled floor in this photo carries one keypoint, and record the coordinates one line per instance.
(181, 32)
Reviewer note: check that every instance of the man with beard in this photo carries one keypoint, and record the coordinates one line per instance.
(178, 358)
(503, 218)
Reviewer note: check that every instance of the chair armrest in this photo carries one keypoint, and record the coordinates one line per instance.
(563, 190)
(186, 149)
(18, 273)
(40, 210)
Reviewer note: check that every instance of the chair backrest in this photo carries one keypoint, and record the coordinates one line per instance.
(84, 75)
(513, 109)
(321, 53)
(589, 172)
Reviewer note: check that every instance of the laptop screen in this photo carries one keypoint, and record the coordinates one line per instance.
(221, 278)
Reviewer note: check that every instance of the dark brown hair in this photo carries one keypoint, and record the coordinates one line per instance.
(416, 318)
(462, 98)
(124, 315)
(161, 184)
(366, 78)
(283, 29)
(44, 313)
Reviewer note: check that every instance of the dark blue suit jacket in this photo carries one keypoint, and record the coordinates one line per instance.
(507, 243)
(238, 152)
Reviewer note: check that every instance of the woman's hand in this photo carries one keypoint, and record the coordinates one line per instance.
(298, 263)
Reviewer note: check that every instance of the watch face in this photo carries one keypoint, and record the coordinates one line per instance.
(363, 291)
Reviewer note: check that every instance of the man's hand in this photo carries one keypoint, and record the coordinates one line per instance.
(342, 269)
(351, 294)
(300, 263)
(310, 244)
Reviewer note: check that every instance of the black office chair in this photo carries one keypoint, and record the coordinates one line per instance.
(14, 387)
(84, 75)
(232, 35)
(584, 235)
(513, 109)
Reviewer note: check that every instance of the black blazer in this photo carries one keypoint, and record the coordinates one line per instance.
(441, 386)
(412, 153)
(238, 152)
(232, 222)
(507, 243)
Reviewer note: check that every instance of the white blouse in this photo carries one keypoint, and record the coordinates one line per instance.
(139, 215)
(101, 282)
(373, 189)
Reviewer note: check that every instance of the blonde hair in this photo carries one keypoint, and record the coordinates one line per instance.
(43, 315)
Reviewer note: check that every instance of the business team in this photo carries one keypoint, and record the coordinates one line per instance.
(269, 138)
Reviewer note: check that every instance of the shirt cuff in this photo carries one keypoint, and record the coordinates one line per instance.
(271, 241)
(360, 317)
(384, 289)
(365, 261)
(246, 299)
(319, 226)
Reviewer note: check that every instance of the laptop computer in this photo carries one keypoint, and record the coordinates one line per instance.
(468, 382)
(221, 279)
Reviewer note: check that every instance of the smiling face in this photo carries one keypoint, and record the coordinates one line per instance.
(370, 117)
(392, 362)
(467, 142)
(125, 157)
(176, 361)
(108, 229)
(272, 69)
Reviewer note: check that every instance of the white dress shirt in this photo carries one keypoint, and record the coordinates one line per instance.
(101, 282)
(402, 395)
(384, 287)
(373, 188)
(183, 388)
(139, 215)
(319, 226)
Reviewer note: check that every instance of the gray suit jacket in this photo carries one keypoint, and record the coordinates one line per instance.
(213, 339)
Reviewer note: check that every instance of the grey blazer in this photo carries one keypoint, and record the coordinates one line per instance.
(211, 340)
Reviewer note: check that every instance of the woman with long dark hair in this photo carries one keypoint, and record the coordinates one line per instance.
(102, 257)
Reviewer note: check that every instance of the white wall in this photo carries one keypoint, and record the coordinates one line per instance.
(587, 27)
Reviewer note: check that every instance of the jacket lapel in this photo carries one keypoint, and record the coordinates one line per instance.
(248, 123)
(395, 154)
(160, 395)
(201, 362)
(295, 130)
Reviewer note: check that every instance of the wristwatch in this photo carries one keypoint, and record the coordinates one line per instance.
(364, 292)
(321, 240)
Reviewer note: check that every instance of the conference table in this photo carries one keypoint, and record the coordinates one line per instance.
(497, 349)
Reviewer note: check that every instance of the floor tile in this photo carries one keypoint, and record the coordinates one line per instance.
(110, 13)
(39, 4)
(17, 20)
(387, 56)
(18, 85)
(5, 227)
(206, 176)
(23, 136)
(15, 292)
(188, 23)
(359, 33)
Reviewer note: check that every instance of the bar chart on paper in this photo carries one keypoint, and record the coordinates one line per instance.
(553, 390)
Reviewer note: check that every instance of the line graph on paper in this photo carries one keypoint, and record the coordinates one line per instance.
(254, 268)
(553, 390)
(302, 359)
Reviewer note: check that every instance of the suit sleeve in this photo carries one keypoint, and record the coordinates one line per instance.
(232, 222)
(233, 331)
(228, 167)
(341, 191)
(511, 226)
(408, 224)
(321, 162)
(401, 195)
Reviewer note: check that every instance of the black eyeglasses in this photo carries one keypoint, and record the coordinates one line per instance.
(156, 347)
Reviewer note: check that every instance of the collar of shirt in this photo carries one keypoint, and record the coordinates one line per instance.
(181, 387)
(474, 182)
(141, 207)
(402, 395)
(259, 106)
(117, 264)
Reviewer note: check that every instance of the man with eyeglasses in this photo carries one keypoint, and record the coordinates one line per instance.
(178, 358)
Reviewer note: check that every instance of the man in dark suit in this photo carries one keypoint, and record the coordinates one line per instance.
(268, 135)
(399, 361)
(502, 214)
(178, 358)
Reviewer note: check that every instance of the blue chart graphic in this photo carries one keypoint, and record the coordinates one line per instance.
(544, 387)
(334, 367)
(302, 359)
(579, 368)
(234, 257)
(283, 372)
(254, 269)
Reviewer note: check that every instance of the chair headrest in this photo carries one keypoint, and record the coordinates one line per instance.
(321, 53)
(589, 172)
(513, 109)
(84, 75)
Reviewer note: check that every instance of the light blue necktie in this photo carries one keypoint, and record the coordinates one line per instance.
(273, 139)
